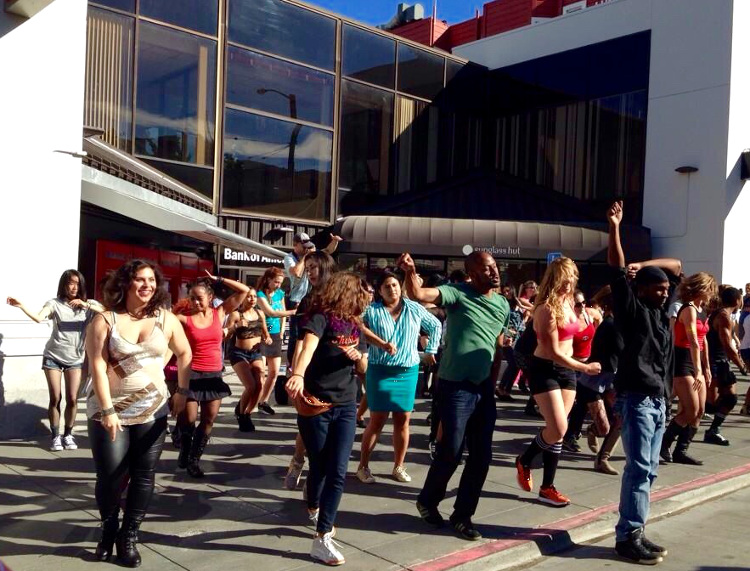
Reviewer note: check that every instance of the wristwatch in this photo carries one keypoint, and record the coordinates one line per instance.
(183, 391)
(108, 411)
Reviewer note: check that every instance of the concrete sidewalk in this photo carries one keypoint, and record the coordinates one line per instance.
(240, 515)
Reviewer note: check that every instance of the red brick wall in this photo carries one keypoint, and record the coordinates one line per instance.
(465, 32)
(547, 8)
(503, 15)
(417, 31)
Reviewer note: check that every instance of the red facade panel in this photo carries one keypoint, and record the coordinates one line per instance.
(547, 8)
(417, 31)
(465, 32)
(504, 15)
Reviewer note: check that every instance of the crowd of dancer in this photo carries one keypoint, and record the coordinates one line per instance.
(650, 336)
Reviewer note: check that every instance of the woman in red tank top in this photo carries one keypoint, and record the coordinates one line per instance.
(692, 375)
(204, 327)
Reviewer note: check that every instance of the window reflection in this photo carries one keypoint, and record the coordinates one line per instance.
(176, 95)
(109, 76)
(200, 15)
(200, 179)
(284, 29)
(369, 57)
(420, 72)
(125, 5)
(417, 126)
(276, 167)
(366, 135)
(275, 86)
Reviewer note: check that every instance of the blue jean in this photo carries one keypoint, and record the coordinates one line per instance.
(468, 414)
(643, 422)
(329, 438)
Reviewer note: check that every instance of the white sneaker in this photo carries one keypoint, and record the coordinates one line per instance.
(291, 480)
(365, 476)
(400, 475)
(69, 443)
(326, 550)
(57, 444)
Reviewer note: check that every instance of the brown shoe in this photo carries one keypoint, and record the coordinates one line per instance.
(601, 464)
(592, 440)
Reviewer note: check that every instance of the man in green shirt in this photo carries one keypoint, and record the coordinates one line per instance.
(477, 317)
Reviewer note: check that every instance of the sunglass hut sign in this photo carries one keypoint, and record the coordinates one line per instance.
(242, 258)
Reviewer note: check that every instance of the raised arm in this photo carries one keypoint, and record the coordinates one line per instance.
(411, 282)
(615, 255)
(333, 244)
(235, 300)
(295, 268)
(43, 315)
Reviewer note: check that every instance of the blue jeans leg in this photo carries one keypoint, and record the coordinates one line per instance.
(329, 438)
(642, 431)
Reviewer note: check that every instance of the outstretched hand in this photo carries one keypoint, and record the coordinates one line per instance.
(614, 214)
(406, 263)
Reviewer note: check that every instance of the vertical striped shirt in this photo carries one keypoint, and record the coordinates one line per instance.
(403, 333)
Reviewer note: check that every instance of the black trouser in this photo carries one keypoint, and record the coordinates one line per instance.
(511, 372)
(134, 455)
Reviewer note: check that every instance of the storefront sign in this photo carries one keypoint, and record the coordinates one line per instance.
(494, 251)
(230, 257)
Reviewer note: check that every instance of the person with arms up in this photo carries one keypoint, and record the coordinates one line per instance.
(70, 313)
(477, 316)
(642, 382)
(127, 348)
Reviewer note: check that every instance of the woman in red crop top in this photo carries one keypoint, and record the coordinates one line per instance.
(204, 327)
(692, 375)
(552, 374)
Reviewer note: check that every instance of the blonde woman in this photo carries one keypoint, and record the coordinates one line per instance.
(552, 374)
(692, 375)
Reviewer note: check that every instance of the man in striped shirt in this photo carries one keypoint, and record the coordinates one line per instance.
(476, 319)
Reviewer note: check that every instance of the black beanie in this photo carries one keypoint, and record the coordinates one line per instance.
(650, 275)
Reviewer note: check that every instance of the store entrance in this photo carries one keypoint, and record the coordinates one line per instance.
(250, 276)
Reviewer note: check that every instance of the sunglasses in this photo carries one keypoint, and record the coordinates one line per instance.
(580, 304)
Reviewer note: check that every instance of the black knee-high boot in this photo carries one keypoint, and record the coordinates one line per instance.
(200, 440)
(186, 443)
(110, 526)
(683, 443)
(673, 430)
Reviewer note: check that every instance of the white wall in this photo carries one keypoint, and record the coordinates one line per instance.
(737, 194)
(41, 110)
(688, 113)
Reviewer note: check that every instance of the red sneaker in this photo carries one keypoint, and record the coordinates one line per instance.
(523, 476)
(552, 497)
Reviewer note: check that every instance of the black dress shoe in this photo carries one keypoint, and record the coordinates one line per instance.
(682, 457)
(634, 550)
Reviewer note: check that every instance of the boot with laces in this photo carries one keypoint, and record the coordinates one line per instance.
(634, 550)
(326, 550)
(110, 527)
(127, 540)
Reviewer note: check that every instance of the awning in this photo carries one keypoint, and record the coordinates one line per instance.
(172, 206)
(454, 237)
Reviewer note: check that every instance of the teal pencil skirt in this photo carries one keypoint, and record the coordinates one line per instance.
(391, 389)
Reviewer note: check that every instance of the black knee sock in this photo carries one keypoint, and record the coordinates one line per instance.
(68, 431)
(719, 418)
(537, 445)
(550, 457)
(55, 431)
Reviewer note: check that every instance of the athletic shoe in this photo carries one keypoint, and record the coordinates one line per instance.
(265, 408)
(432, 446)
(399, 474)
(592, 441)
(365, 476)
(430, 515)
(715, 437)
(552, 497)
(465, 529)
(523, 476)
(634, 550)
(291, 480)
(653, 547)
(57, 444)
(69, 442)
(326, 550)
(571, 444)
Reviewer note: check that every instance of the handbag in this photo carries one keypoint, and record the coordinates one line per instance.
(308, 405)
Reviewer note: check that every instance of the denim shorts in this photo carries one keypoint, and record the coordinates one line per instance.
(50, 363)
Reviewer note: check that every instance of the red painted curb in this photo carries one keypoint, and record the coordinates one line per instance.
(561, 526)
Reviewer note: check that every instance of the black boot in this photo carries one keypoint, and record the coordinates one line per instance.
(186, 443)
(110, 526)
(127, 539)
(245, 423)
(683, 443)
(200, 439)
(669, 437)
(634, 549)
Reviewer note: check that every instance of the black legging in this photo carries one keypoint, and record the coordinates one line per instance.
(134, 455)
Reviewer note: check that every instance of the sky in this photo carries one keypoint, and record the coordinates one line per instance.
(376, 12)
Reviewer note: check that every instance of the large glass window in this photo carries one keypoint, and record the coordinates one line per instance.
(417, 127)
(420, 72)
(369, 57)
(276, 167)
(199, 15)
(175, 99)
(109, 76)
(284, 29)
(275, 86)
(366, 135)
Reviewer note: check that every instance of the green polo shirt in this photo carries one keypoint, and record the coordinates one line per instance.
(474, 323)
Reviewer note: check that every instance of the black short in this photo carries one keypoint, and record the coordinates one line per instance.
(546, 376)
(207, 386)
(237, 355)
(683, 363)
(723, 374)
(274, 349)
(587, 395)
